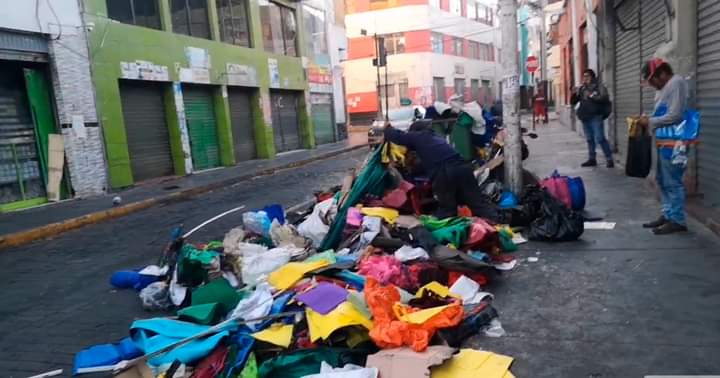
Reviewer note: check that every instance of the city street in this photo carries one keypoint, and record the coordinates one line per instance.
(56, 293)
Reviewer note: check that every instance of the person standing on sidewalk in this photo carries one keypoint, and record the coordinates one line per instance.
(670, 106)
(593, 99)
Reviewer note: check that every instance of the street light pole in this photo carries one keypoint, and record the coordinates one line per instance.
(511, 96)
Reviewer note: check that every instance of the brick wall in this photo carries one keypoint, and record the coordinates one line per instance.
(73, 90)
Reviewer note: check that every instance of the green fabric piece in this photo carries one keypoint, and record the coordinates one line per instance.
(460, 136)
(190, 265)
(205, 314)
(251, 368)
(328, 255)
(213, 245)
(506, 242)
(304, 362)
(452, 230)
(371, 180)
(217, 291)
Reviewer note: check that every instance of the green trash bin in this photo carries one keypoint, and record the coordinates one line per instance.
(460, 136)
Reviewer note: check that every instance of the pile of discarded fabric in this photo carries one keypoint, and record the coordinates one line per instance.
(359, 286)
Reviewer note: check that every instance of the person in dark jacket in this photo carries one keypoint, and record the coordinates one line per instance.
(593, 98)
(453, 181)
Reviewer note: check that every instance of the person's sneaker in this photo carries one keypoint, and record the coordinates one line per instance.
(656, 223)
(589, 163)
(610, 164)
(669, 228)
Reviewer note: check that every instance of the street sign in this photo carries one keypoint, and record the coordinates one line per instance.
(532, 64)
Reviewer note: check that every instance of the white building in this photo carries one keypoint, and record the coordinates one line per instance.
(436, 48)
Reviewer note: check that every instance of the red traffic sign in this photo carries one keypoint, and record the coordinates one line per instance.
(532, 64)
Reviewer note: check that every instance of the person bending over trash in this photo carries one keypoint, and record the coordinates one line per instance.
(453, 181)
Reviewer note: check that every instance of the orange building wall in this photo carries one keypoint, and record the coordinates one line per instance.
(360, 48)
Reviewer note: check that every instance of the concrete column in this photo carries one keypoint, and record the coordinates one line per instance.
(224, 128)
(607, 65)
(577, 75)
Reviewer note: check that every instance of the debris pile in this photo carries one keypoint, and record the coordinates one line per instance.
(363, 285)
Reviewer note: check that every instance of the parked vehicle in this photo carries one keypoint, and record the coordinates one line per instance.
(400, 118)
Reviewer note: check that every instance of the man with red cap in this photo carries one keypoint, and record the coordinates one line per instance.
(670, 105)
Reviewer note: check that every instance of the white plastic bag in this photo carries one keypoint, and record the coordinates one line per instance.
(155, 297)
(314, 228)
(408, 253)
(286, 235)
(347, 371)
(257, 222)
(258, 261)
(257, 305)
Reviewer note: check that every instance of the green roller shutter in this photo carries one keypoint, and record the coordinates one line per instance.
(241, 118)
(202, 127)
(322, 117)
(146, 129)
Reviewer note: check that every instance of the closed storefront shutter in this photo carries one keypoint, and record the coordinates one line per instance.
(627, 64)
(241, 118)
(20, 163)
(202, 128)
(708, 99)
(322, 118)
(653, 34)
(286, 123)
(146, 129)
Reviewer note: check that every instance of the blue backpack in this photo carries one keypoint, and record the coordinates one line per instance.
(577, 192)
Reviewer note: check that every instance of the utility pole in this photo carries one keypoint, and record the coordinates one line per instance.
(543, 49)
(378, 62)
(511, 96)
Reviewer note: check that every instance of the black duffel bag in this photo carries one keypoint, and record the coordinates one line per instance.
(639, 153)
(555, 222)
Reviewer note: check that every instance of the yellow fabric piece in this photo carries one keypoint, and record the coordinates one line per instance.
(507, 229)
(290, 273)
(322, 326)
(393, 153)
(277, 334)
(471, 363)
(417, 317)
(438, 289)
(388, 215)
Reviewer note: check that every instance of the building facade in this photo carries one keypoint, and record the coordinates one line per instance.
(46, 89)
(436, 48)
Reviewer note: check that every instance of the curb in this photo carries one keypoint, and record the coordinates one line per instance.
(53, 229)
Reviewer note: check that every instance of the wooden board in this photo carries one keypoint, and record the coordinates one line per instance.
(56, 161)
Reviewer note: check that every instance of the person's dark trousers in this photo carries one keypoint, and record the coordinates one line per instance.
(595, 134)
(454, 184)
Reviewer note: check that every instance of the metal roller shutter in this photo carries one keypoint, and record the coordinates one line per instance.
(653, 33)
(202, 128)
(708, 99)
(146, 129)
(241, 118)
(286, 123)
(322, 115)
(627, 65)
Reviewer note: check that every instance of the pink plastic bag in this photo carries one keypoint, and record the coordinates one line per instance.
(558, 187)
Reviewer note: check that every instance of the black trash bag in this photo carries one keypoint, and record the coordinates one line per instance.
(556, 222)
(529, 207)
(474, 320)
(639, 156)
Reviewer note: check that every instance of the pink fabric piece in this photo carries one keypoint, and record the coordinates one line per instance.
(480, 230)
(354, 217)
(395, 199)
(385, 269)
(558, 187)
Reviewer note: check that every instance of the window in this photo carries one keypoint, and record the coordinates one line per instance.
(487, 85)
(456, 7)
(485, 14)
(279, 28)
(190, 17)
(439, 89)
(474, 52)
(234, 22)
(460, 87)
(457, 46)
(472, 8)
(475, 89)
(390, 87)
(136, 12)
(394, 43)
(316, 36)
(436, 41)
(486, 52)
(434, 3)
(403, 88)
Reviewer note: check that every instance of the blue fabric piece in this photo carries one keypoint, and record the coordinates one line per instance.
(353, 279)
(577, 192)
(595, 134)
(277, 307)
(126, 279)
(672, 190)
(106, 354)
(508, 200)
(244, 343)
(150, 335)
(275, 212)
(479, 255)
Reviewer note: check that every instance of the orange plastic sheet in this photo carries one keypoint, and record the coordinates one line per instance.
(391, 332)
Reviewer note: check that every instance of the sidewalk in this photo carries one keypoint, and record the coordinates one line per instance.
(44, 221)
(617, 303)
